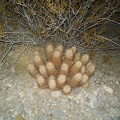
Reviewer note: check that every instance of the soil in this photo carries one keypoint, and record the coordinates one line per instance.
(22, 99)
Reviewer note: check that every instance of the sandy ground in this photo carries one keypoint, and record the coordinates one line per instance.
(22, 99)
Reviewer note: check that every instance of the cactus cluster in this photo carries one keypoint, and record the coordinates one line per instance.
(62, 71)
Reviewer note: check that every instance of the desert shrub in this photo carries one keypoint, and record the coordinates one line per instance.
(79, 22)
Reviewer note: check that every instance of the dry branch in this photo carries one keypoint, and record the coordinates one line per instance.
(70, 22)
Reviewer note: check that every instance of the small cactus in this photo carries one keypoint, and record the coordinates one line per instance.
(75, 68)
(37, 60)
(52, 83)
(85, 59)
(43, 71)
(66, 89)
(41, 81)
(49, 52)
(63, 71)
(32, 70)
(51, 70)
(84, 79)
(61, 80)
(75, 80)
(56, 58)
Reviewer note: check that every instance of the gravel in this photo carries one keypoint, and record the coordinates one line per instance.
(76, 91)
(56, 93)
(43, 117)
(58, 113)
(22, 99)
(64, 101)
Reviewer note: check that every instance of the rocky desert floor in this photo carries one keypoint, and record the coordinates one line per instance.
(22, 99)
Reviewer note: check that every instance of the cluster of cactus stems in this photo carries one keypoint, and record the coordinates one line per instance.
(62, 71)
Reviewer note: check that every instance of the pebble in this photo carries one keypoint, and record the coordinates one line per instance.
(78, 96)
(7, 63)
(56, 93)
(1, 117)
(64, 101)
(21, 94)
(43, 117)
(1, 64)
(97, 82)
(118, 118)
(95, 92)
(9, 85)
(76, 91)
(92, 100)
(77, 101)
(70, 97)
(7, 118)
(12, 69)
(117, 82)
(19, 117)
(9, 99)
(10, 53)
(79, 117)
(108, 89)
(58, 113)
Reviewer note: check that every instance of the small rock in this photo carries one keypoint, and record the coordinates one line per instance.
(97, 81)
(21, 94)
(7, 118)
(1, 64)
(1, 117)
(78, 117)
(70, 97)
(43, 117)
(76, 91)
(9, 99)
(9, 85)
(58, 113)
(117, 82)
(10, 53)
(19, 117)
(64, 101)
(7, 64)
(95, 92)
(108, 89)
(118, 117)
(77, 101)
(92, 100)
(56, 94)
(12, 69)
(78, 96)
